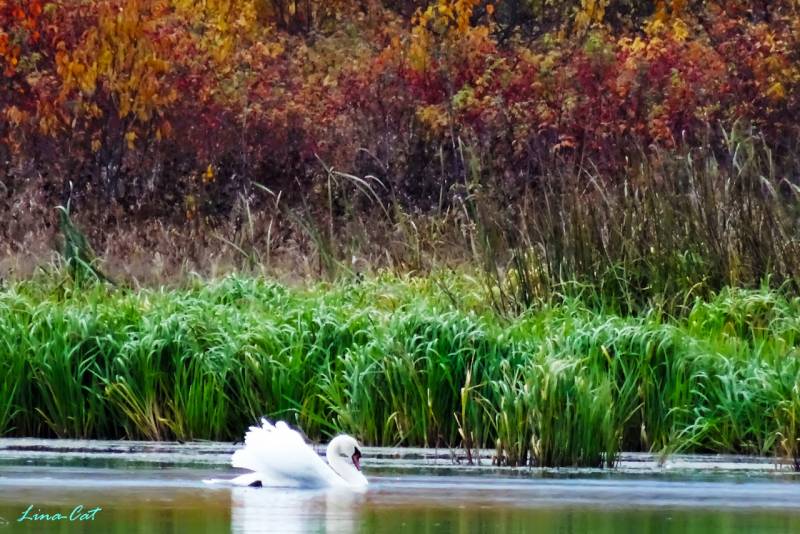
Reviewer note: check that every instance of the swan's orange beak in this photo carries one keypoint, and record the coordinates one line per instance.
(357, 459)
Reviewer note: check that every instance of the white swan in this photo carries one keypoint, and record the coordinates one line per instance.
(279, 457)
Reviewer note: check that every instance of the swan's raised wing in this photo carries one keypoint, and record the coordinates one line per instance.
(282, 458)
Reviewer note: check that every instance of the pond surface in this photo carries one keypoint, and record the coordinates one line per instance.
(158, 489)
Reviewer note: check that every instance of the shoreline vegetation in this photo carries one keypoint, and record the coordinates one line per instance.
(561, 229)
(401, 361)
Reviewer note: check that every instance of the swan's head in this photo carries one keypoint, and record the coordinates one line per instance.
(345, 448)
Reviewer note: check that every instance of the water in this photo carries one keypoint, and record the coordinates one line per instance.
(158, 489)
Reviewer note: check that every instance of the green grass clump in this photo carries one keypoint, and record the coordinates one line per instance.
(402, 361)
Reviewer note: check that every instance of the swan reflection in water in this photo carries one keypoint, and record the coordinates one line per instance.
(328, 511)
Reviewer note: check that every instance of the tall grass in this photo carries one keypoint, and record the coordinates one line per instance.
(656, 233)
(402, 361)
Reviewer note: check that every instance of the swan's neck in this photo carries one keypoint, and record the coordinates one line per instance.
(343, 467)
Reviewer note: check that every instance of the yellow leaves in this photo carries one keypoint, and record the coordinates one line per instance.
(329, 81)
(224, 26)
(126, 56)
(637, 51)
(87, 80)
(61, 58)
(776, 92)
(96, 145)
(208, 175)
(668, 19)
(221, 50)
(450, 14)
(464, 99)
(680, 31)
(582, 21)
(434, 117)
(418, 53)
(48, 124)
(15, 115)
(105, 59)
(661, 25)
(75, 69)
(268, 50)
(124, 105)
(464, 13)
(247, 18)
(130, 138)
(446, 16)
(191, 206)
(637, 46)
(656, 25)
(445, 10)
(441, 29)
(776, 74)
(590, 13)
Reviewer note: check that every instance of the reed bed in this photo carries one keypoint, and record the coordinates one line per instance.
(402, 361)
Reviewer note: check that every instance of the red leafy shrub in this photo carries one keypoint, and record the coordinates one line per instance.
(164, 109)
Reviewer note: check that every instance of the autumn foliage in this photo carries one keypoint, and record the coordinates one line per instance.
(175, 108)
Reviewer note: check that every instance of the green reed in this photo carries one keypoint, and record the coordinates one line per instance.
(402, 361)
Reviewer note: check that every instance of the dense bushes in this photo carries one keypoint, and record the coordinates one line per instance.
(174, 110)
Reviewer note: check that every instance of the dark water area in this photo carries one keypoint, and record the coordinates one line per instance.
(160, 491)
